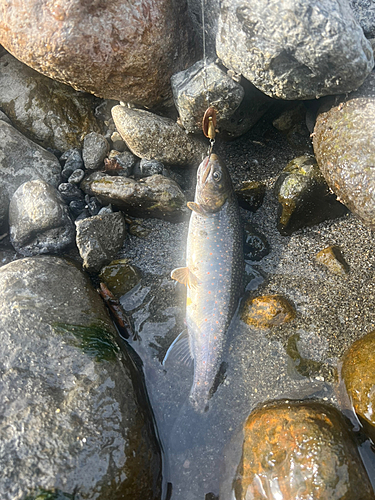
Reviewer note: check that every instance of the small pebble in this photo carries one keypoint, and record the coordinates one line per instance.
(71, 160)
(267, 311)
(76, 207)
(70, 192)
(95, 149)
(76, 176)
(332, 258)
(250, 195)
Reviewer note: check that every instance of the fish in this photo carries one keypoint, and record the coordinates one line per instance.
(213, 276)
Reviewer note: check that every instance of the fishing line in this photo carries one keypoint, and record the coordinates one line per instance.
(209, 118)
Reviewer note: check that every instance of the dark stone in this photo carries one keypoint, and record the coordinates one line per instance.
(77, 176)
(304, 197)
(71, 160)
(195, 89)
(39, 220)
(70, 192)
(250, 195)
(146, 168)
(94, 205)
(99, 238)
(76, 207)
(256, 245)
(120, 163)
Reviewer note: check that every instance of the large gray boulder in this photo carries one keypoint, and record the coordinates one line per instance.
(39, 220)
(50, 113)
(294, 49)
(70, 419)
(22, 160)
(345, 150)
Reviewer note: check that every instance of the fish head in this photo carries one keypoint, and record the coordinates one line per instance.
(214, 185)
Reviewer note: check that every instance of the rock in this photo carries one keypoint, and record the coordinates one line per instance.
(146, 168)
(93, 204)
(305, 450)
(120, 276)
(95, 149)
(118, 143)
(22, 160)
(99, 238)
(74, 418)
(4, 118)
(358, 375)
(47, 112)
(156, 137)
(345, 149)
(293, 123)
(364, 12)
(256, 245)
(39, 220)
(199, 87)
(122, 50)
(211, 14)
(76, 207)
(71, 161)
(267, 311)
(155, 196)
(77, 176)
(279, 46)
(304, 197)
(250, 195)
(70, 192)
(120, 163)
(331, 257)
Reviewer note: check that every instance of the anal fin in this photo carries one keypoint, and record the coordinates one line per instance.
(179, 350)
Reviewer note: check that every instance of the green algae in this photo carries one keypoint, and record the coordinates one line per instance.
(42, 494)
(94, 340)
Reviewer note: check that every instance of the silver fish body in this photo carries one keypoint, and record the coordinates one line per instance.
(213, 274)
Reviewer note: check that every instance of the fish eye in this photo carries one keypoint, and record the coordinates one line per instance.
(216, 175)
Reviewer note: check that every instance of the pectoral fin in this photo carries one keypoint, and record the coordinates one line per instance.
(185, 276)
(195, 207)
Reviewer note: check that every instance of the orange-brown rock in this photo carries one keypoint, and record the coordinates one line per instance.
(300, 450)
(267, 311)
(358, 373)
(332, 258)
(123, 49)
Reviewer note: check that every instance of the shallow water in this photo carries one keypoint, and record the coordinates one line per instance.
(298, 360)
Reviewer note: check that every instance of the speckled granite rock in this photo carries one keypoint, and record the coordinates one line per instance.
(156, 137)
(22, 160)
(155, 196)
(364, 12)
(123, 50)
(279, 46)
(345, 150)
(72, 415)
(49, 113)
(39, 220)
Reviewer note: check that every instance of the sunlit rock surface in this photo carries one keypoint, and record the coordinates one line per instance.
(300, 450)
(279, 46)
(50, 113)
(123, 50)
(345, 150)
(71, 416)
